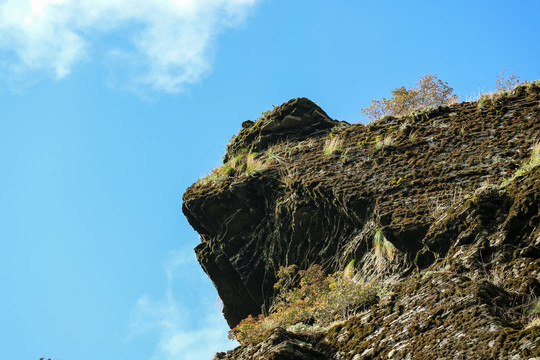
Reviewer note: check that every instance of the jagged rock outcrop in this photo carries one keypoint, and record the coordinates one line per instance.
(292, 121)
(467, 249)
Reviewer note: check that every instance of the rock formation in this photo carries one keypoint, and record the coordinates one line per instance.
(451, 188)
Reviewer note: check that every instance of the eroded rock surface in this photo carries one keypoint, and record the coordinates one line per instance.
(468, 248)
(281, 345)
(292, 121)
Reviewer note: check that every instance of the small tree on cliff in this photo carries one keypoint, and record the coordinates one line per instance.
(506, 82)
(428, 92)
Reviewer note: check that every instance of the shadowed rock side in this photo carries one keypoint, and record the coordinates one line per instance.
(467, 248)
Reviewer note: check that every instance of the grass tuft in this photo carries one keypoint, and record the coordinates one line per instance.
(384, 250)
(332, 145)
(254, 164)
(533, 162)
(385, 142)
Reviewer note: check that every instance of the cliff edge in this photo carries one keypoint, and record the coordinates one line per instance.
(453, 189)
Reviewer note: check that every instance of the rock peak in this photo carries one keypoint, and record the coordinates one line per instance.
(295, 120)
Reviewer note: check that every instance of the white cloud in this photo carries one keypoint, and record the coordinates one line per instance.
(191, 329)
(158, 44)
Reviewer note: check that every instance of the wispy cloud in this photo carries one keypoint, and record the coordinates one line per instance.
(188, 329)
(158, 44)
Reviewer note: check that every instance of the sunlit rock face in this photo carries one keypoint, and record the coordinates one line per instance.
(298, 187)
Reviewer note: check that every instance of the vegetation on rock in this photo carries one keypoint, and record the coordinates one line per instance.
(506, 82)
(460, 246)
(429, 92)
(527, 165)
(245, 163)
(333, 144)
(310, 303)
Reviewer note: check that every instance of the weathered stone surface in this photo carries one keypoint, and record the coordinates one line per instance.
(281, 345)
(294, 120)
(468, 249)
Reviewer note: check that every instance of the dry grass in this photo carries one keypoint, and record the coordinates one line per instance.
(278, 152)
(535, 156)
(534, 322)
(288, 177)
(218, 174)
(245, 163)
(385, 142)
(534, 313)
(254, 164)
(533, 162)
(384, 250)
(332, 145)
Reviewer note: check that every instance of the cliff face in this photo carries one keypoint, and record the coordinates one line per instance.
(300, 188)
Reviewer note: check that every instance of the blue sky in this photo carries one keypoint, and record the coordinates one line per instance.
(110, 110)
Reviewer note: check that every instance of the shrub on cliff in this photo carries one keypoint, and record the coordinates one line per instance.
(428, 92)
(318, 300)
(506, 82)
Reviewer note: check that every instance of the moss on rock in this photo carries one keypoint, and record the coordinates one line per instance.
(467, 245)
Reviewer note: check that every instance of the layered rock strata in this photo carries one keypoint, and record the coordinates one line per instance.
(467, 245)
